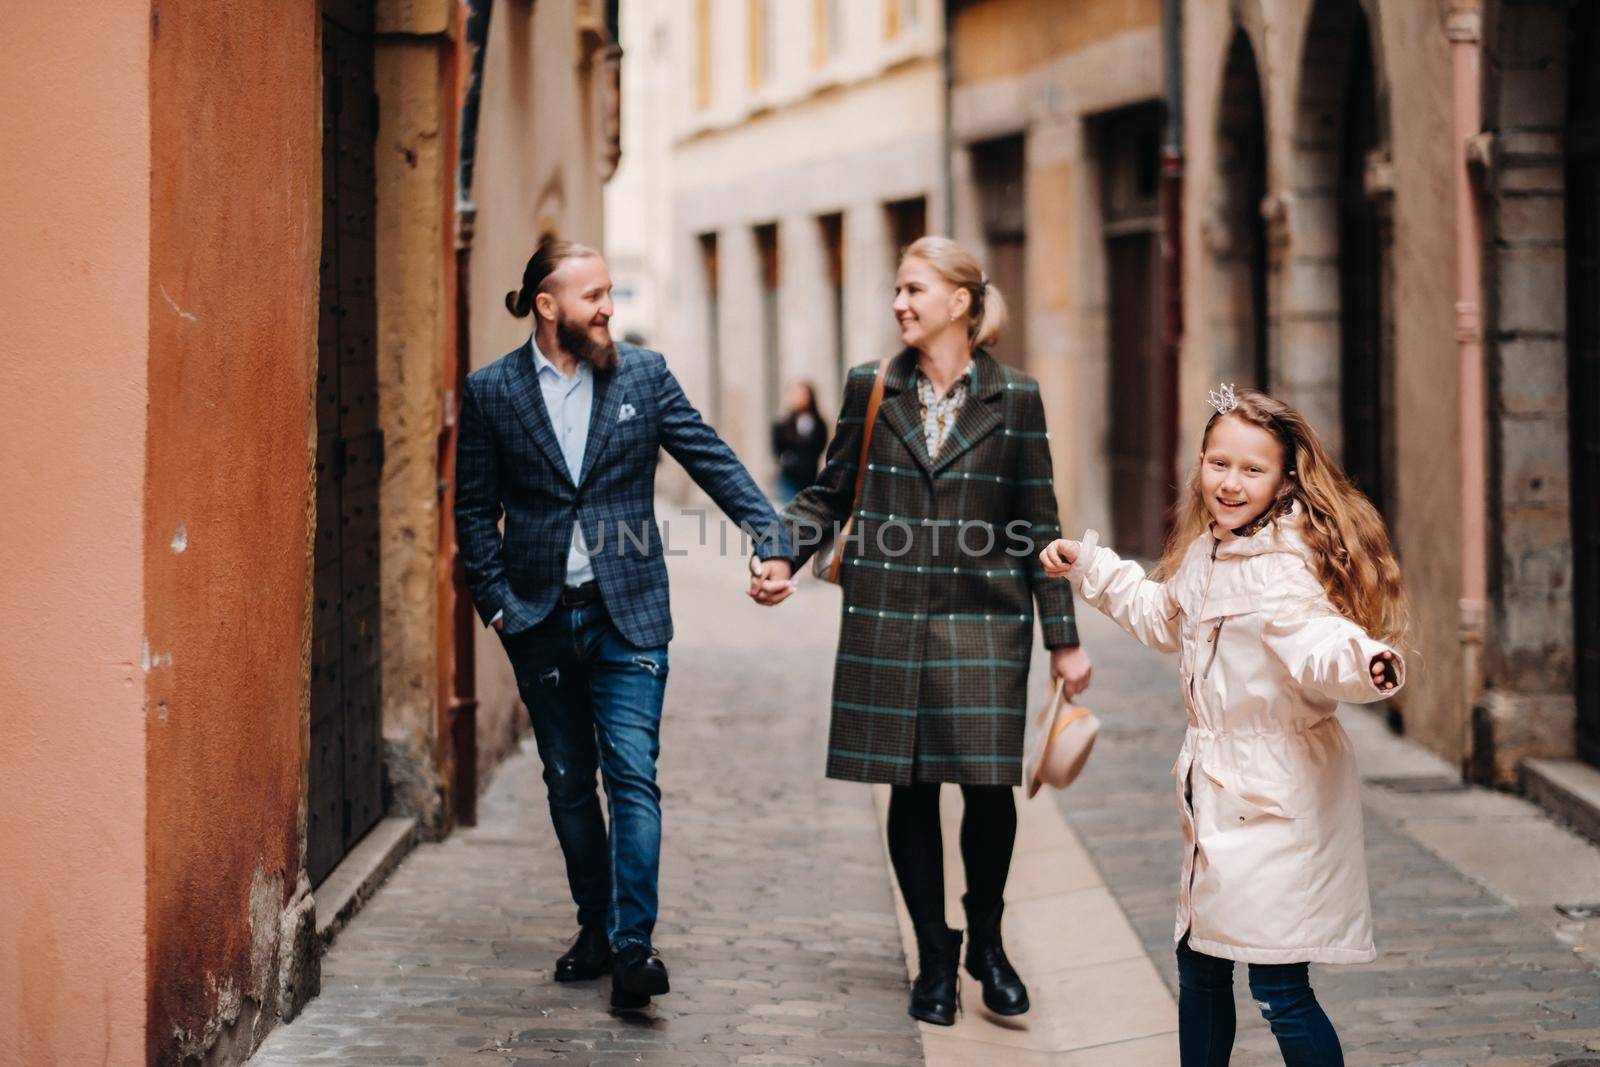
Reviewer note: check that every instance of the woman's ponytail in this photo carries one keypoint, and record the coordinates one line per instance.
(988, 315)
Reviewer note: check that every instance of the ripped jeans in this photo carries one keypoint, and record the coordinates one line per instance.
(595, 701)
(1282, 990)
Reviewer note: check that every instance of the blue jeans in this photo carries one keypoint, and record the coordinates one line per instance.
(595, 701)
(1282, 990)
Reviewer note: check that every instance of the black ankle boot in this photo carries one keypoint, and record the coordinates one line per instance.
(1003, 991)
(935, 993)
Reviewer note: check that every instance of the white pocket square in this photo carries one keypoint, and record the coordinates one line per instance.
(626, 412)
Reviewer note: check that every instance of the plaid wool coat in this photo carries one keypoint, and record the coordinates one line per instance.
(939, 579)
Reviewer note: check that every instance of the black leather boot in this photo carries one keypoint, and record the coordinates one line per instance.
(1003, 991)
(589, 957)
(935, 995)
(639, 974)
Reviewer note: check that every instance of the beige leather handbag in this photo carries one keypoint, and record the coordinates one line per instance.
(1060, 737)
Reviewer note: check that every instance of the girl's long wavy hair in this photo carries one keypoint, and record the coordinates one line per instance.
(1349, 542)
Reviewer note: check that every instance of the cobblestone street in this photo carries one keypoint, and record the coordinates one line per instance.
(778, 919)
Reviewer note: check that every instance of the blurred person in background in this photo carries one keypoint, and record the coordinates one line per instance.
(798, 440)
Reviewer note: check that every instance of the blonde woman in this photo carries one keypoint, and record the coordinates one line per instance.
(940, 579)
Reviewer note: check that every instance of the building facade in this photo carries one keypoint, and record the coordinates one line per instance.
(1377, 210)
(1056, 132)
(801, 152)
(232, 630)
(1380, 225)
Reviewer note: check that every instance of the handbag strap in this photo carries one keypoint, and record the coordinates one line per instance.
(874, 402)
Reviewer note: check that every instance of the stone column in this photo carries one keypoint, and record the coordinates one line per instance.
(742, 405)
(870, 332)
(805, 310)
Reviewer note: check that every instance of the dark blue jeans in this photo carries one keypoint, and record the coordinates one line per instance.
(595, 702)
(1282, 990)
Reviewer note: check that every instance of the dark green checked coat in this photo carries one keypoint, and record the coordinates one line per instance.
(940, 579)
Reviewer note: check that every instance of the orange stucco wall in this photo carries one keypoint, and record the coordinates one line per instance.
(72, 358)
(235, 144)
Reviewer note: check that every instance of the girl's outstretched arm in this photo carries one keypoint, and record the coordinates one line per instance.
(1146, 609)
(1324, 651)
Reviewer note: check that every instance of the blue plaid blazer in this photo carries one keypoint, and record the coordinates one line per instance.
(509, 462)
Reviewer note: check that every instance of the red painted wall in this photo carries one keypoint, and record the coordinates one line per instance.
(235, 140)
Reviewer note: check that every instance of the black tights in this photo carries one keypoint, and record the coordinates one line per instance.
(916, 845)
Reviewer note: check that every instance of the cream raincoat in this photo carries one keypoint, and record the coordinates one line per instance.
(1274, 867)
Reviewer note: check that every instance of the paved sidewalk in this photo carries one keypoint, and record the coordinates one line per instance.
(776, 921)
(1095, 997)
(1464, 976)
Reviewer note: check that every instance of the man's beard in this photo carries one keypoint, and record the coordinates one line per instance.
(576, 342)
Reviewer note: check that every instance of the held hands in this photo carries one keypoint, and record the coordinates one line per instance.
(1071, 664)
(771, 582)
(1385, 676)
(1058, 557)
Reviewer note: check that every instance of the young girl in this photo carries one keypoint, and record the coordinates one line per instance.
(1282, 597)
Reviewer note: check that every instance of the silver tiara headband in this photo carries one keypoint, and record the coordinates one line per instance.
(1223, 398)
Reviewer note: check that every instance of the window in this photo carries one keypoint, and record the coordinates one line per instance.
(899, 15)
(702, 44)
(999, 169)
(762, 26)
(708, 263)
(767, 252)
(827, 35)
(832, 227)
(908, 222)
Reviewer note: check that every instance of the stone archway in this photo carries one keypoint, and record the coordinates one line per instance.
(1337, 319)
(1236, 237)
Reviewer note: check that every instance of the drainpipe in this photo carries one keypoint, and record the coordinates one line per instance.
(463, 688)
(947, 144)
(1463, 27)
(1172, 218)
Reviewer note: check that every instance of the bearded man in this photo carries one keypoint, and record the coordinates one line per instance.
(561, 436)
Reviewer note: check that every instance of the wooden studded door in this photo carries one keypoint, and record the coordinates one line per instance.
(345, 787)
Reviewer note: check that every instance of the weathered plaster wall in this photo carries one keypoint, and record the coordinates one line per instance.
(415, 69)
(1412, 60)
(235, 144)
(72, 358)
(538, 168)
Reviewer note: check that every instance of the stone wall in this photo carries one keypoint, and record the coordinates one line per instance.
(1528, 708)
(1296, 49)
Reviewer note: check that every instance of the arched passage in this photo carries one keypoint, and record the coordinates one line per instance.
(1237, 240)
(1336, 359)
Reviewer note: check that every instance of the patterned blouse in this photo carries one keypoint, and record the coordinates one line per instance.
(939, 412)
